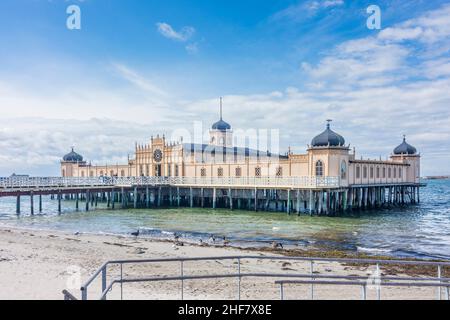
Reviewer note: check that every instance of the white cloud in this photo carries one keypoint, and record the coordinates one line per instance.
(315, 5)
(431, 27)
(136, 79)
(192, 48)
(167, 31)
(298, 11)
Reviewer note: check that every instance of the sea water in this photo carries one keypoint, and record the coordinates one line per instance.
(418, 231)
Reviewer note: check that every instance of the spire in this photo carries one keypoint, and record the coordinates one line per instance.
(329, 123)
(220, 108)
(404, 138)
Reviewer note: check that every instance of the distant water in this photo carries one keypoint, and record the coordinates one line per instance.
(421, 231)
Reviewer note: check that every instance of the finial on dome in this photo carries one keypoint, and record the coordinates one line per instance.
(329, 121)
(221, 101)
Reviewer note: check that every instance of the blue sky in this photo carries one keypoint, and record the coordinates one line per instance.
(137, 68)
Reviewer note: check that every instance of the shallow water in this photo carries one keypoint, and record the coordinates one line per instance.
(421, 231)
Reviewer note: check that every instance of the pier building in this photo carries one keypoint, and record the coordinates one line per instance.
(328, 178)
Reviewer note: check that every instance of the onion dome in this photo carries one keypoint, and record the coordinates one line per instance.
(221, 126)
(405, 148)
(328, 138)
(73, 157)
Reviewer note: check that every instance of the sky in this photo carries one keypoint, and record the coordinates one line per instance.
(139, 68)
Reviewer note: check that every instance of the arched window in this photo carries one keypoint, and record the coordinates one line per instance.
(343, 170)
(389, 173)
(358, 172)
(101, 173)
(111, 173)
(384, 172)
(400, 173)
(371, 172)
(82, 174)
(177, 173)
(319, 168)
(395, 173)
(122, 173)
(378, 172)
(64, 173)
(91, 173)
(364, 172)
(238, 172)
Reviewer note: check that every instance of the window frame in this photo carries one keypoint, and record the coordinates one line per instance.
(319, 168)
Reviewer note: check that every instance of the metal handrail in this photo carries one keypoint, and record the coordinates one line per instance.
(68, 295)
(445, 281)
(40, 182)
(363, 285)
(103, 269)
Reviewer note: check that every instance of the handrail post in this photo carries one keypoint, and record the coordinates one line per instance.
(439, 295)
(104, 281)
(121, 281)
(311, 267)
(378, 274)
(84, 295)
(281, 291)
(239, 279)
(182, 281)
(363, 292)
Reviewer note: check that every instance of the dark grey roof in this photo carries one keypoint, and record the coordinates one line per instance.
(73, 157)
(328, 138)
(235, 151)
(221, 125)
(405, 148)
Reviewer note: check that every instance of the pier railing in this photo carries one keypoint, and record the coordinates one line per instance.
(441, 283)
(284, 182)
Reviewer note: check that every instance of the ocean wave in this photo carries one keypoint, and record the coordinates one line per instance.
(373, 250)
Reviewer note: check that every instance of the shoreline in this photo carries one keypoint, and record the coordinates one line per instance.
(318, 251)
(37, 265)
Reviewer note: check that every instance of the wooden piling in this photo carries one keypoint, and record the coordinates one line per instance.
(87, 200)
(18, 205)
(31, 203)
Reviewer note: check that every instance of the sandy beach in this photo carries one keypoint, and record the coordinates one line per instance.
(40, 264)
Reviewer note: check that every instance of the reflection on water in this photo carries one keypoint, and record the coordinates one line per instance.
(421, 231)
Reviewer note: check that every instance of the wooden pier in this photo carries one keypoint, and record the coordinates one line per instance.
(299, 195)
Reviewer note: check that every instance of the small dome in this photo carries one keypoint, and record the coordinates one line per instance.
(405, 148)
(221, 125)
(328, 138)
(72, 157)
